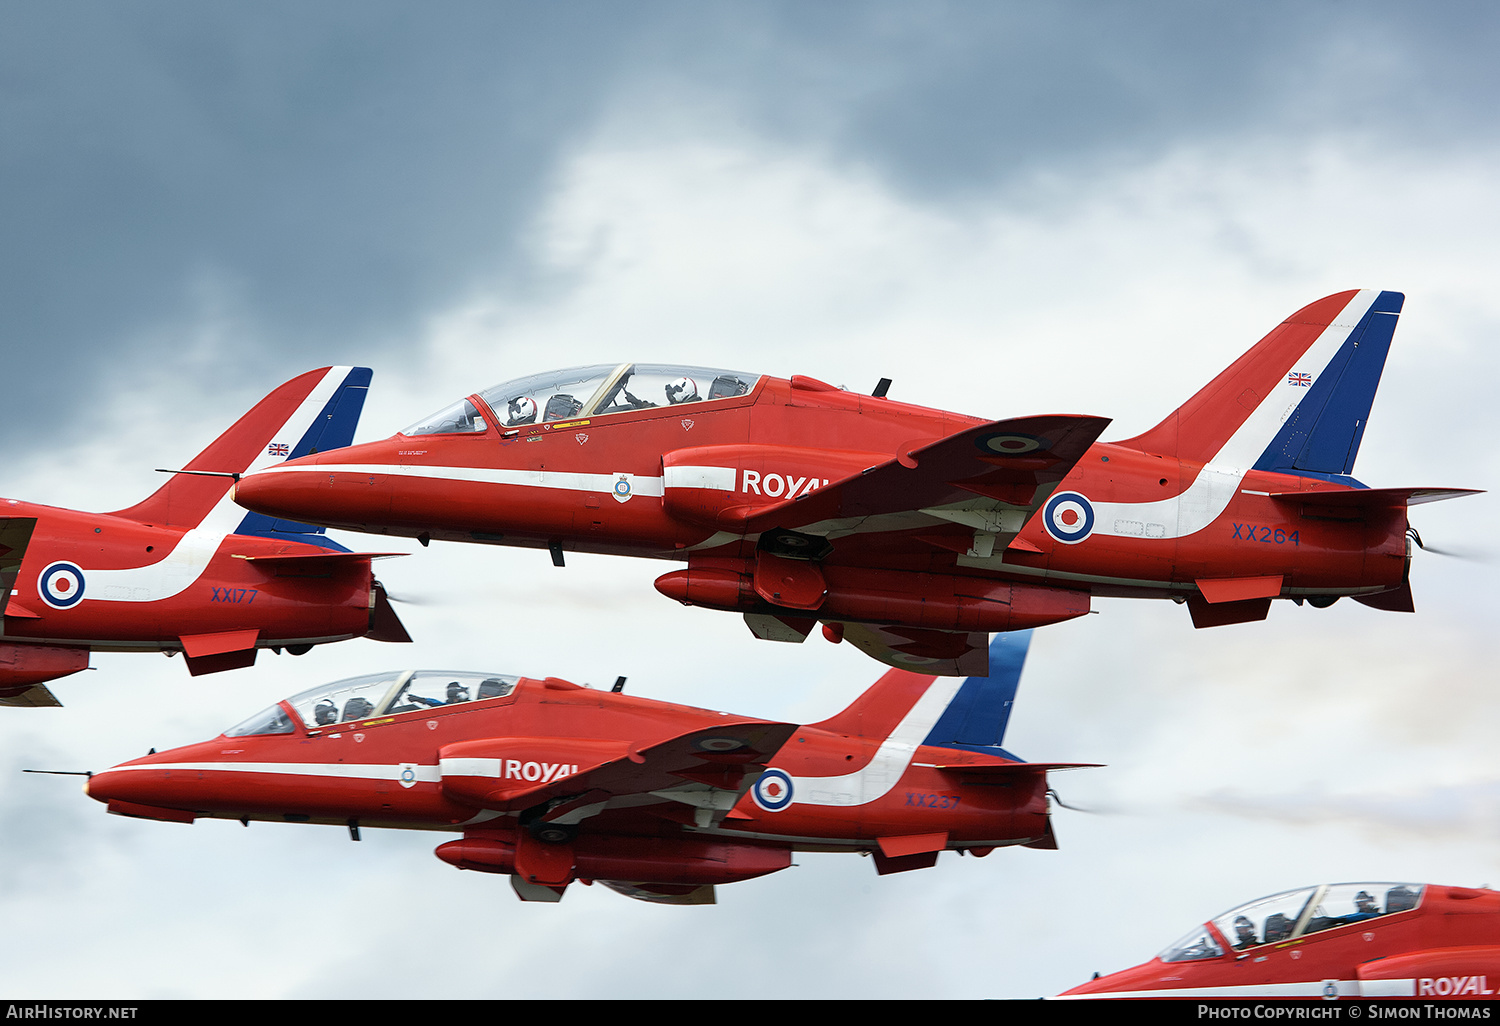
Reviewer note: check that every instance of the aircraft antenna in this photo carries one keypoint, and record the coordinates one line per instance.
(199, 473)
(619, 685)
(65, 773)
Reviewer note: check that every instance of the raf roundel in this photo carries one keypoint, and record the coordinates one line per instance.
(720, 744)
(773, 791)
(1010, 444)
(60, 584)
(1068, 517)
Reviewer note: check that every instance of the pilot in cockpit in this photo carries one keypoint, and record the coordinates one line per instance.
(522, 411)
(494, 687)
(683, 390)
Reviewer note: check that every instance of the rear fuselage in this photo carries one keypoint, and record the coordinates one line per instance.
(92, 581)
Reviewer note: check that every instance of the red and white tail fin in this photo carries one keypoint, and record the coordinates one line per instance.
(1298, 401)
(311, 413)
(879, 711)
(970, 713)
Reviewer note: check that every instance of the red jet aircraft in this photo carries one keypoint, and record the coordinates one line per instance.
(551, 782)
(912, 532)
(187, 570)
(1352, 940)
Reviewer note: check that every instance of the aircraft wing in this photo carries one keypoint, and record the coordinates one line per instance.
(700, 774)
(999, 772)
(314, 563)
(1371, 498)
(662, 896)
(922, 650)
(35, 697)
(702, 753)
(990, 478)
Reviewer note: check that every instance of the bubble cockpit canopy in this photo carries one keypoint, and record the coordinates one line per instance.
(586, 392)
(376, 694)
(1292, 914)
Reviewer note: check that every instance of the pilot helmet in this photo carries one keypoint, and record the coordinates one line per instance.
(683, 390)
(522, 411)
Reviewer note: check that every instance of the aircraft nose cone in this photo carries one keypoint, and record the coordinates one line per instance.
(122, 785)
(347, 487)
(144, 791)
(272, 493)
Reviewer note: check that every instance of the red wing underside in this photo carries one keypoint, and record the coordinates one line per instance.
(37, 696)
(991, 478)
(944, 653)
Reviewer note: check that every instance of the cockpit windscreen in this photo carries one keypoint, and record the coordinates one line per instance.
(587, 392)
(377, 694)
(598, 391)
(1282, 917)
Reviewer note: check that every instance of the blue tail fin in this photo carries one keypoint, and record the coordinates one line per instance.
(977, 716)
(332, 428)
(1322, 434)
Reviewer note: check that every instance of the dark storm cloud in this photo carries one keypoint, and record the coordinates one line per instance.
(952, 96)
(335, 172)
(343, 166)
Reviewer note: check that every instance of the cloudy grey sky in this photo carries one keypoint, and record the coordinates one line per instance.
(1008, 208)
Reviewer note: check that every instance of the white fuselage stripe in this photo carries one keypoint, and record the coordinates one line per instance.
(471, 767)
(896, 752)
(640, 485)
(343, 770)
(1299, 989)
(719, 479)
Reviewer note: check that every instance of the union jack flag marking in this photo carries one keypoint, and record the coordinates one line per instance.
(1299, 379)
(277, 449)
